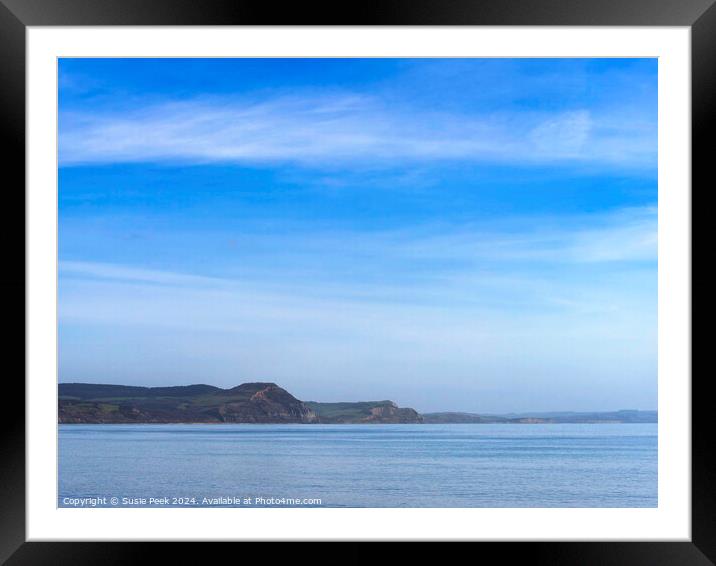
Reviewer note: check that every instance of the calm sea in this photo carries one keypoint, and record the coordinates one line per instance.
(465, 465)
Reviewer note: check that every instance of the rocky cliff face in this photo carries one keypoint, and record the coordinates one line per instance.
(391, 413)
(379, 412)
(247, 403)
(269, 404)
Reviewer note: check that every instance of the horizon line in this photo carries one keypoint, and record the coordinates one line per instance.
(492, 413)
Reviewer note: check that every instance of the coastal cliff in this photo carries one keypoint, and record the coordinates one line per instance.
(260, 402)
(385, 412)
(247, 403)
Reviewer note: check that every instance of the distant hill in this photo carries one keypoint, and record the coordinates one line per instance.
(101, 391)
(623, 416)
(460, 418)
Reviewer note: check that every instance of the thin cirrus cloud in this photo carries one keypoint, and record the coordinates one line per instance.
(332, 130)
(624, 236)
(489, 312)
(402, 256)
(417, 264)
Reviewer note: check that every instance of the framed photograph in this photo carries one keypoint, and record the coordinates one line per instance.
(414, 273)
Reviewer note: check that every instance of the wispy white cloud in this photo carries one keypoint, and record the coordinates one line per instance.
(377, 313)
(329, 130)
(117, 272)
(460, 266)
(627, 235)
(622, 236)
(565, 134)
(454, 342)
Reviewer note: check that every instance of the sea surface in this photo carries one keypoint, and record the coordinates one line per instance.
(460, 465)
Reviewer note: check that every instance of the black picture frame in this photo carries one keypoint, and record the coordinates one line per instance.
(17, 15)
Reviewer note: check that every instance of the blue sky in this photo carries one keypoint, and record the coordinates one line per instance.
(453, 234)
